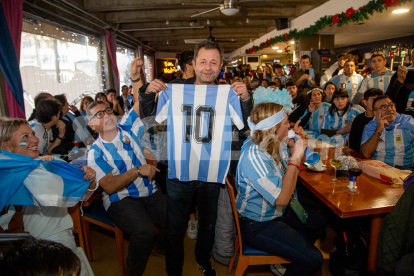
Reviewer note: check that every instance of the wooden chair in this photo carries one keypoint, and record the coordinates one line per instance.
(78, 228)
(248, 255)
(97, 215)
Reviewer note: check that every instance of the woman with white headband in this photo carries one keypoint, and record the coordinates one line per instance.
(266, 182)
(313, 117)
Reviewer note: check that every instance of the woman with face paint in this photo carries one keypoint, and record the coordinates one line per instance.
(42, 222)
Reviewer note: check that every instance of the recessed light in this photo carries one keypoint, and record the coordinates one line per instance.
(264, 55)
(275, 48)
(400, 11)
(279, 51)
(239, 59)
(292, 42)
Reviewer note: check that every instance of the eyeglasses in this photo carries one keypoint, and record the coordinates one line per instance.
(384, 107)
(100, 114)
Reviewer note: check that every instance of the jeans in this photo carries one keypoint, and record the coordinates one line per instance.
(287, 237)
(138, 216)
(179, 200)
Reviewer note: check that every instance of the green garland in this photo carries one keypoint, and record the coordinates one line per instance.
(344, 18)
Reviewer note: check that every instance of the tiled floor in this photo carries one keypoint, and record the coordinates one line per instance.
(105, 258)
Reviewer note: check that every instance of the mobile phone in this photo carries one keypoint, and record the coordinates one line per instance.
(307, 71)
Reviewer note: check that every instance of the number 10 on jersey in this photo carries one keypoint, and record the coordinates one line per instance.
(201, 126)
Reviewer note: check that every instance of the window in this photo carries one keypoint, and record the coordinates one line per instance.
(57, 61)
(148, 68)
(124, 57)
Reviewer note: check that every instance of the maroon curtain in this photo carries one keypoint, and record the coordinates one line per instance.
(111, 47)
(13, 12)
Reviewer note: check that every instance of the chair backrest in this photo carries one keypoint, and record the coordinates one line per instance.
(230, 186)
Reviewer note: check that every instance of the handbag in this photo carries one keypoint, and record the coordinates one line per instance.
(298, 209)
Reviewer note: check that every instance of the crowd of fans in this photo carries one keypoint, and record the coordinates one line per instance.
(127, 151)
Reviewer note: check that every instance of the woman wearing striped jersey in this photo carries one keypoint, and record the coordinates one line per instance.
(265, 182)
(313, 117)
(341, 113)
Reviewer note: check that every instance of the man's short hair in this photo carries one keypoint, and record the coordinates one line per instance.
(61, 98)
(39, 97)
(272, 83)
(46, 109)
(350, 60)
(341, 55)
(111, 90)
(372, 92)
(278, 65)
(290, 83)
(92, 105)
(124, 86)
(265, 81)
(378, 54)
(208, 45)
(304, 57)
(378, 99)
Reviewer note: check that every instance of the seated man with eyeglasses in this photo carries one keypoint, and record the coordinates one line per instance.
(131, 197)
(389, 136)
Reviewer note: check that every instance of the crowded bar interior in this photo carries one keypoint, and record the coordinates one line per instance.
(206, 137)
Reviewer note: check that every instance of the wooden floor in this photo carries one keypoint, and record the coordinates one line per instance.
(105, 261)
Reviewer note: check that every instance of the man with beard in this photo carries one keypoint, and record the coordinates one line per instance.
(208, 59)
(349, 80)
(334, 70)
(388, 137)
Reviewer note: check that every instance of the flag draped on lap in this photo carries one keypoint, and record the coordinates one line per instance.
(26, 181)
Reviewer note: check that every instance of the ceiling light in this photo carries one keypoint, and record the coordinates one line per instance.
(167, 22)
(292, 42)
(275, 48)
(264, 55)
(229, 10)
(208, 22)
(239, 59)
(400, 11)
(167, 42)
(279, 51)
(232, 39)
(247, 20)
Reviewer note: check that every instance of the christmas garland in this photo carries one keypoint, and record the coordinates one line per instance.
(340, 19)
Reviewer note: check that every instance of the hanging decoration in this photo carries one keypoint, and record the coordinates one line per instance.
(344, 18)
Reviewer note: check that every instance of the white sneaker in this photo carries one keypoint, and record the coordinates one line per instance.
(192, 229)
(277, 269)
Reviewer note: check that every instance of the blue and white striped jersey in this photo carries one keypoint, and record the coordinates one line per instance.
(316, 119)
(396, 146)
(258, 183)
(336, 121)
(43, 134)
(152, 140)
(120, 155)
(373, 81)
(351, 84)
(282, 78)
(199, 129)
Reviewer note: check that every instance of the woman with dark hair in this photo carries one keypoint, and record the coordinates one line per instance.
(329, 90)
(341, 113)
(101, 96)
(85, 102)
(185, 61)
(314, 115)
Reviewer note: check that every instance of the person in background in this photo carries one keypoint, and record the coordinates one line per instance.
(334, 70)
(123, 98)
(349, 80)
(101, 96)
(247, 81)
(279, 73)
(272, 85)
(298, 101)
(304, 78)
(48, 115)
(341, 114)
(259, 73)
(363, 119)
(389, 137)
(401, 86)
(255, 84)
(268, 73)
(330, 89)
(265, 83)
(85, 102)
(185, 61)
(265, 183)
(314, 115)
(380, 78)
(114, 103)
(130, 91)
(228, 75)
(37, 99)
(278, 83)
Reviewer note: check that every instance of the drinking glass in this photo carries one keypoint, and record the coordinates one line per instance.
(354, 170)
(336, 160)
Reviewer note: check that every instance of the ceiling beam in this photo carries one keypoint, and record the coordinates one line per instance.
(191, 32)
(181, 38)
(148, 16)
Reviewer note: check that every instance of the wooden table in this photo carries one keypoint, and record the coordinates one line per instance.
(376, 198)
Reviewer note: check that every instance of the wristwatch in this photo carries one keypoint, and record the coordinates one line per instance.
(137, 80)
(139, 171)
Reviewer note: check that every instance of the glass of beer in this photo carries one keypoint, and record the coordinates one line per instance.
(354, 170)
(336, 160)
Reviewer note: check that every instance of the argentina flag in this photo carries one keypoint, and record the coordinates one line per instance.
(26, 181)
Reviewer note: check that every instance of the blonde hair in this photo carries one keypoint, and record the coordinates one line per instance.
(8, 126)
(267, 139)
(272, 74)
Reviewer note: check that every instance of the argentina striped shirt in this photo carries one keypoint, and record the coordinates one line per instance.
(336, 121)
(350, 84)
(373, 80)
(316, 118)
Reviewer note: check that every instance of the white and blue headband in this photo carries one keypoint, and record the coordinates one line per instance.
(317, 89)
(267, 123)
